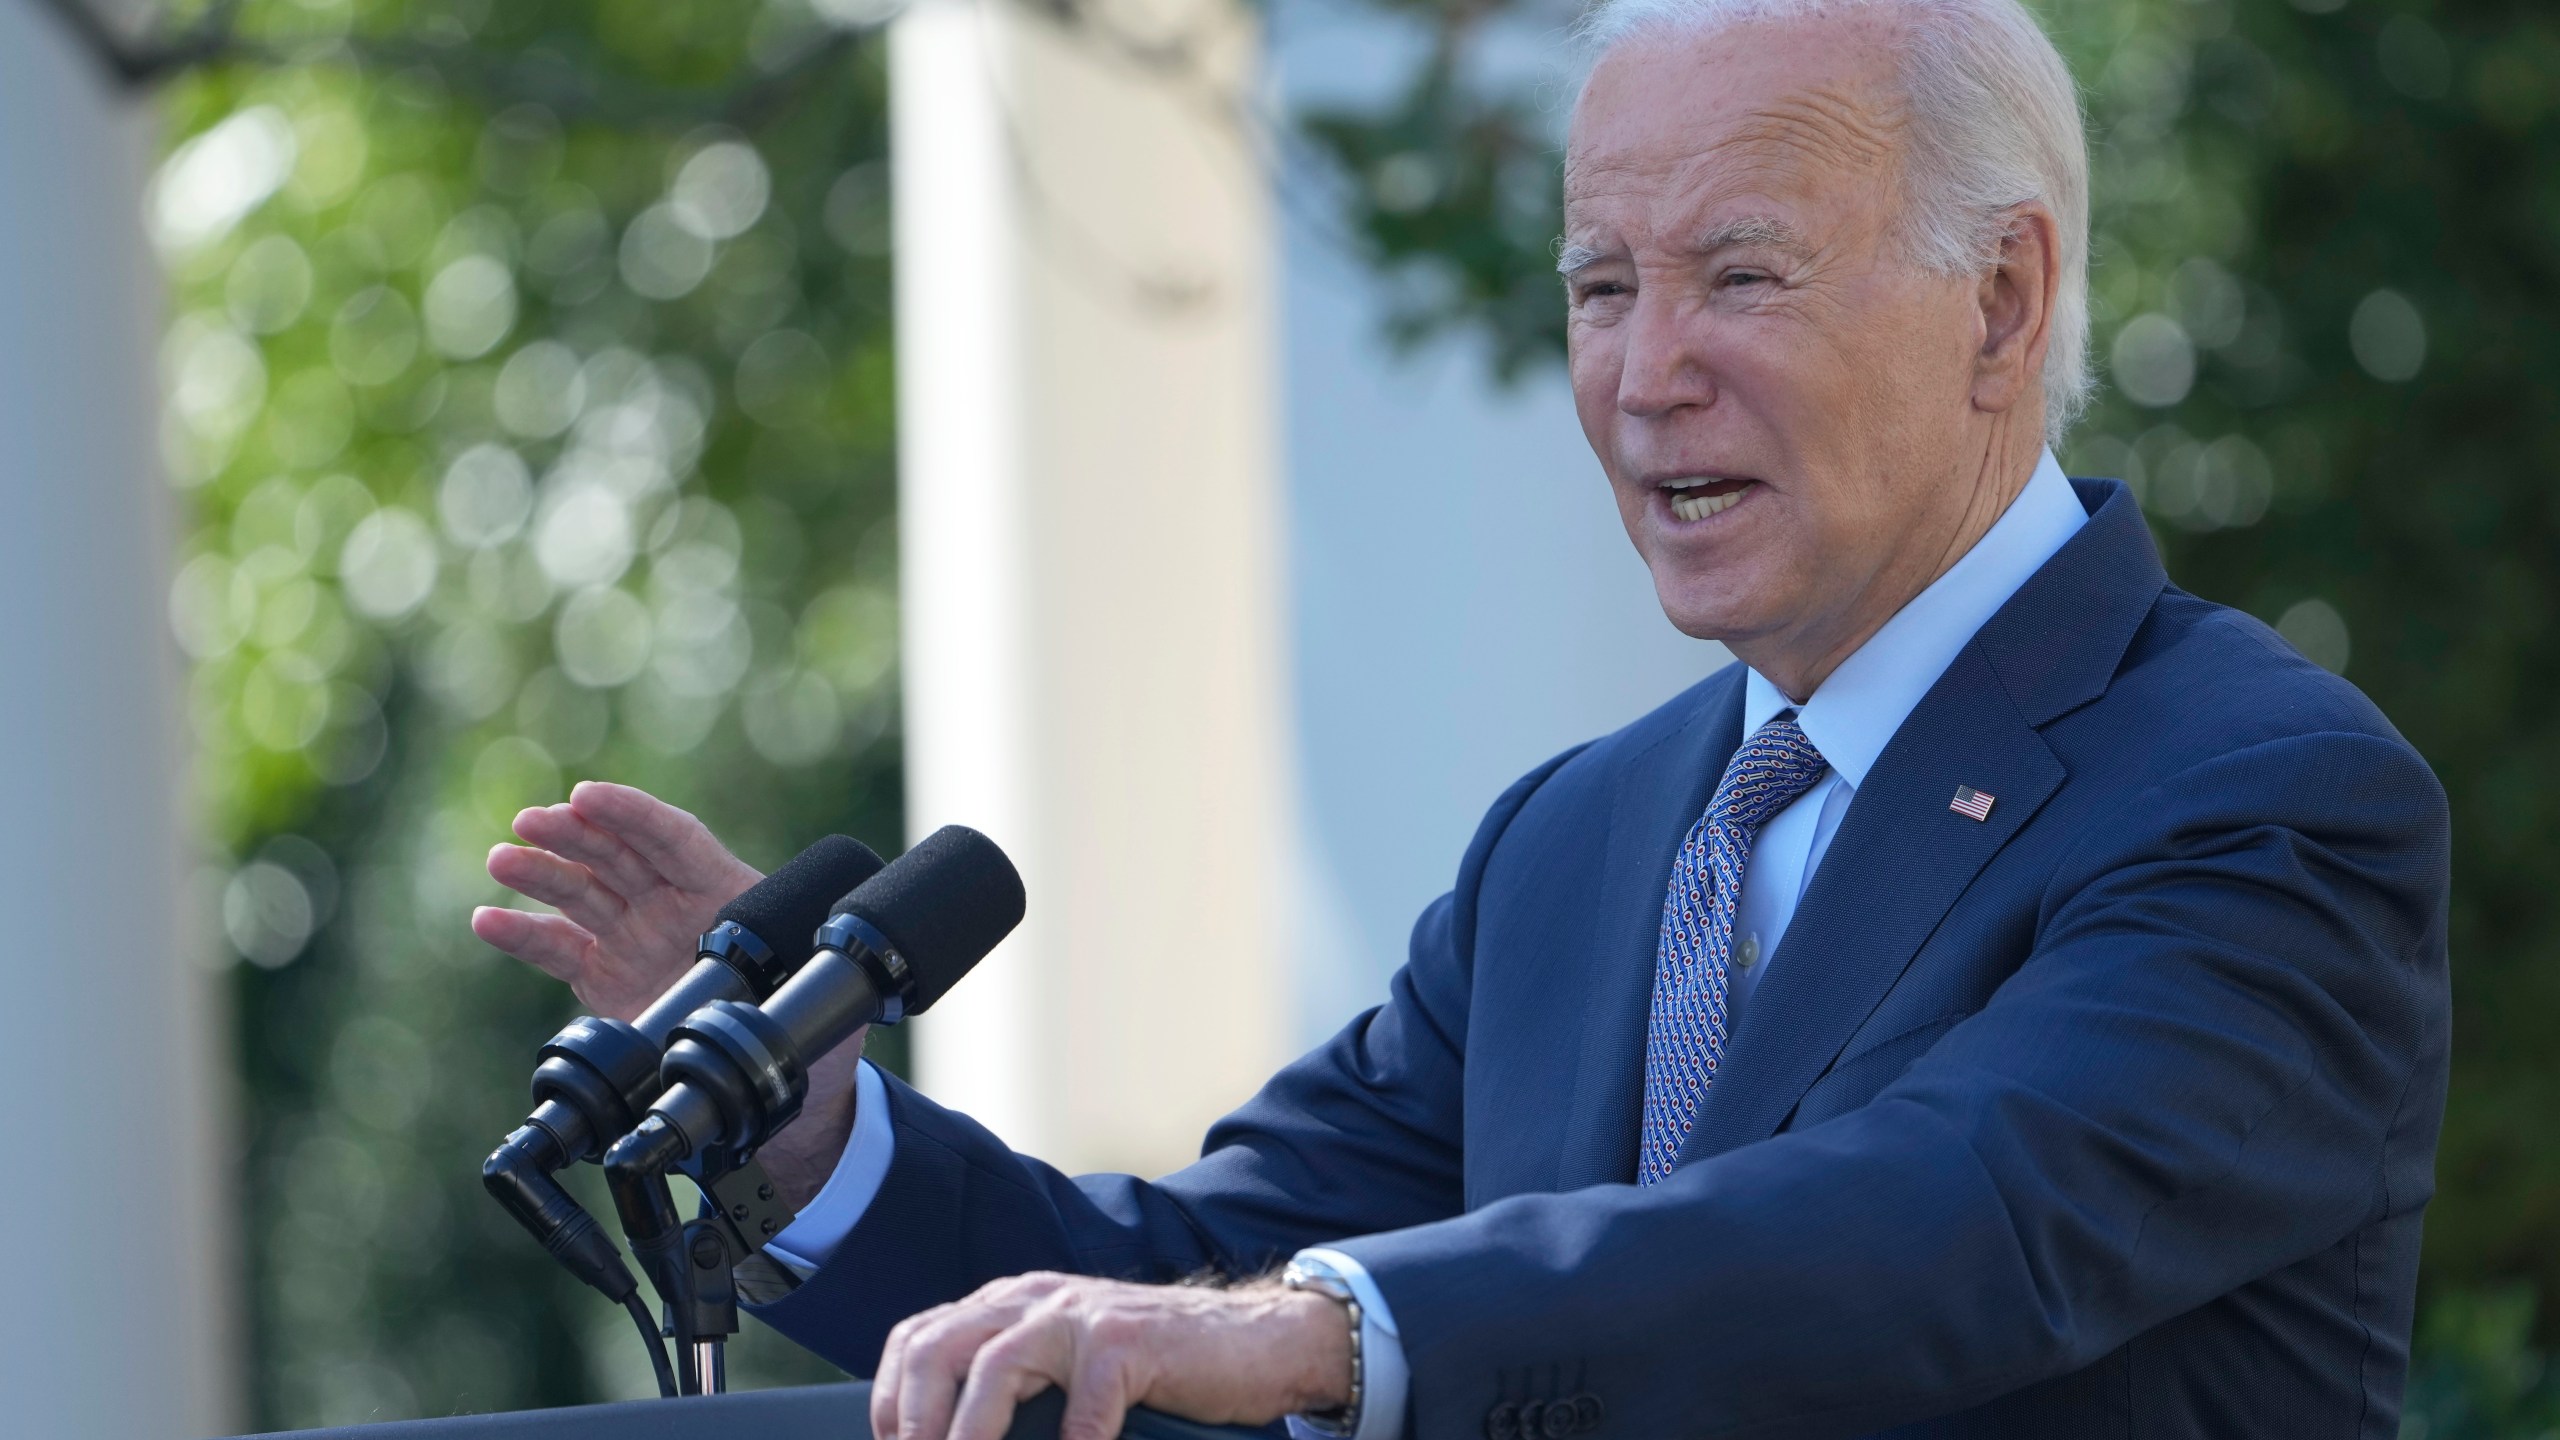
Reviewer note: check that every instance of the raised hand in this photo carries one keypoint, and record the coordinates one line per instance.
(636, 881)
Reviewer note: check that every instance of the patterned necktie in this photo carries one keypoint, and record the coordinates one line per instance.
(1685, 1035)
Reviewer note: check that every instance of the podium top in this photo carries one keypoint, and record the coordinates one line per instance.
(812, 1412)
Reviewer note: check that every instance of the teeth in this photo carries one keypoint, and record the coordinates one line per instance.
(1699, 507)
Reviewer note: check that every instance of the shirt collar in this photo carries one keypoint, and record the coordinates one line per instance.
(1855, 711)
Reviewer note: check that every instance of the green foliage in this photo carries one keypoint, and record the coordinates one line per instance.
(1456, 191)
(531, 401)
(2478, 1376)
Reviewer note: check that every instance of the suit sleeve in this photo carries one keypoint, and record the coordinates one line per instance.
(2209, 1066)
(1360, 1136)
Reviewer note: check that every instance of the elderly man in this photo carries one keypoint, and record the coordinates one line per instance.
(2011, 1001)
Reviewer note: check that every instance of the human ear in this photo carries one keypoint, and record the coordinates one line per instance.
(2017, 298)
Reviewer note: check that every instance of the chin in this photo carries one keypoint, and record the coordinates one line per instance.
(1723, 602)
(1708, 613)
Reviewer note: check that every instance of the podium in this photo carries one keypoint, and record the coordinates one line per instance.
(809, 1412)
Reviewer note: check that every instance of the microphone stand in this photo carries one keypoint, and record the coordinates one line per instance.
(694, 1264)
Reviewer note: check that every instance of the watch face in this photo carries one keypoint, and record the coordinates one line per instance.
(1302, 1276)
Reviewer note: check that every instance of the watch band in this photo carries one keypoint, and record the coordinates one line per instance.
(1322, 1279)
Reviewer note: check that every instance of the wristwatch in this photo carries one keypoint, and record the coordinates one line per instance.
(1322, 1279)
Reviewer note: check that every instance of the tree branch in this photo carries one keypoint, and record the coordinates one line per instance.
(134, 62)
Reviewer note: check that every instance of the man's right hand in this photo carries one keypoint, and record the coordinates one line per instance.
(637, 881)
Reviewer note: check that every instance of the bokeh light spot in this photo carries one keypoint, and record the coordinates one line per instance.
(661, 258)
(375, 336)
(720, 191)
(540, 390)
(2315, 628)
(485, 497)
(2389, 337)
(583, 536)
(269, 285)
(792, 717)
(212, 182)
(470, 307)
(602, 637)
(2154, 361)
(388, 565)
(266, 914)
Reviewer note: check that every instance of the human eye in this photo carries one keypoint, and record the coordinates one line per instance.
(1601, 294)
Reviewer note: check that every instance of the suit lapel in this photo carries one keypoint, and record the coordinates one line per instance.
(1898, 863)
(1660, 793)
(1902, 858)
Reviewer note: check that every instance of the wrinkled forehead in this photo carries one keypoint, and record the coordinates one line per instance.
(1796, 109)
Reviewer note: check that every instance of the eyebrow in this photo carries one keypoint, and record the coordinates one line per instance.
(1571, 258)
(1765, 230)
(1748, 230)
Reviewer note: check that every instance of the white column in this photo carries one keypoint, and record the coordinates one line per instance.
(118, 1324)
(1091, 562)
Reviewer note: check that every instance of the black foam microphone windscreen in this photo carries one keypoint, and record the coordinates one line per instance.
(944, 904)
(785, 909)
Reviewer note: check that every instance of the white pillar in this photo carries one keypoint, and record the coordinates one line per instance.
(118, 1324)
(1094, 663)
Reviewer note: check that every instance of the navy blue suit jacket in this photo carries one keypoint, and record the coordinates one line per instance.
(2113, 1114)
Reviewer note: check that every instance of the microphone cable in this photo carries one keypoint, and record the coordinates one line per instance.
(649, 1339)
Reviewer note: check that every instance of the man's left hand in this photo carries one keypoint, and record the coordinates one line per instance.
(1241, 1356)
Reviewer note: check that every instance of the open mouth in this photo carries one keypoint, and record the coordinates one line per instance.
(1698, 497)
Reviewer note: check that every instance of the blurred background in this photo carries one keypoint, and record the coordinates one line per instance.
(1134, 427)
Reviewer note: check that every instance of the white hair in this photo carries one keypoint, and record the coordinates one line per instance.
(1994, 123)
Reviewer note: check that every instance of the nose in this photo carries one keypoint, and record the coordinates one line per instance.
(1664, 368)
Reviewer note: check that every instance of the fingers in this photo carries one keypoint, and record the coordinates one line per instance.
(553, 944)
(678, 846)
(929, 1356)
(1223, 1356)
(1098, 1400)
(884, 1385)
(884, 1381)
(570, 888)
(560, 830)
(1036, 1352)
(891, 1378)
(936, 1361)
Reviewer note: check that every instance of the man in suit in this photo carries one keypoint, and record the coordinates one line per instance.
(2010, 1001)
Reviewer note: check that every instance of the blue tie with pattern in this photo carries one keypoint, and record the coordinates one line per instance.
(1685, 1036)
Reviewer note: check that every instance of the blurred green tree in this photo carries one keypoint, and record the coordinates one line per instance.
(530, 401)
(2327, 288)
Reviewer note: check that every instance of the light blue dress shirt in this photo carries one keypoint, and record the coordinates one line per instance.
(1849, 718)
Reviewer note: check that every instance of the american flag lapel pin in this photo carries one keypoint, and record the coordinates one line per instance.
(1972, 804)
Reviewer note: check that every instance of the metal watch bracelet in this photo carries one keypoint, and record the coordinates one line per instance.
(1319, 1278)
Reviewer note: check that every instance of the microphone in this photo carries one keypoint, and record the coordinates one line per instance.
(598, 1075)
(735, 1074)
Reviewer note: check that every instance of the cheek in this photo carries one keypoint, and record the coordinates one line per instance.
(1917, 341)
(1806, 359)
